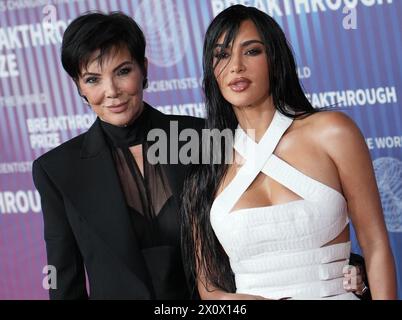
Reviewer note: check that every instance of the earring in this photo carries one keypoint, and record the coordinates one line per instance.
(85, 100)
(145, 83)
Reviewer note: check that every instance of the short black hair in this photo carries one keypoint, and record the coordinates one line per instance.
(104, 32)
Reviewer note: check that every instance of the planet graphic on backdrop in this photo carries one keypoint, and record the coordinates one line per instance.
(166, 31)
(388, 173)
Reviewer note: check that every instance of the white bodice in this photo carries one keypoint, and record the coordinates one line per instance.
(278, 251)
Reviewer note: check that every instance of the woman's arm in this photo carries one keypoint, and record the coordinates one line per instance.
(209, 292)
(345, 145)
(61, 247)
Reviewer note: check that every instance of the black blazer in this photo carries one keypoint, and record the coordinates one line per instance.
(86, 221)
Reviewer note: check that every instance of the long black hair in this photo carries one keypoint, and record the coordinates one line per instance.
(201, 249)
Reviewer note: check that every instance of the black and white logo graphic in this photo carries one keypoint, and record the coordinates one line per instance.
(388, 172)
(166, 31)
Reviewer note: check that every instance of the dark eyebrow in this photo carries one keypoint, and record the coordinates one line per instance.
(243, 44)
(96, 74)
(248, 42)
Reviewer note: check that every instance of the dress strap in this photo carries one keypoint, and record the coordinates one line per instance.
(258, 155)
(287, 175)
(301, 184)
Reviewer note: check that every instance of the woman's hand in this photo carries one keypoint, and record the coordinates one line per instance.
(353, 280)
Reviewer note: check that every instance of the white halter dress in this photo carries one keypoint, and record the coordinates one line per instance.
(277, 251)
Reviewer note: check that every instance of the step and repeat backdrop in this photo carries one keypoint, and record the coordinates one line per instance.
(348, 55)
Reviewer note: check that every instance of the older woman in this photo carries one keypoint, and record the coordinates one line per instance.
(104, 205)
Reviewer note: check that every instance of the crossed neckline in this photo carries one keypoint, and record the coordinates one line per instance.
(277, 168)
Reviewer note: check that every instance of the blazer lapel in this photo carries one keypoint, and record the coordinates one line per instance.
(103, 205)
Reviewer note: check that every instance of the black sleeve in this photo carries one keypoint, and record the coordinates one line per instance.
(61, 247)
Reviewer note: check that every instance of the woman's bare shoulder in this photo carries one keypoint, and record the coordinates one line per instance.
(333, 131)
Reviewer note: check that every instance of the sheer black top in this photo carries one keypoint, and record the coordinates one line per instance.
(153, 212)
